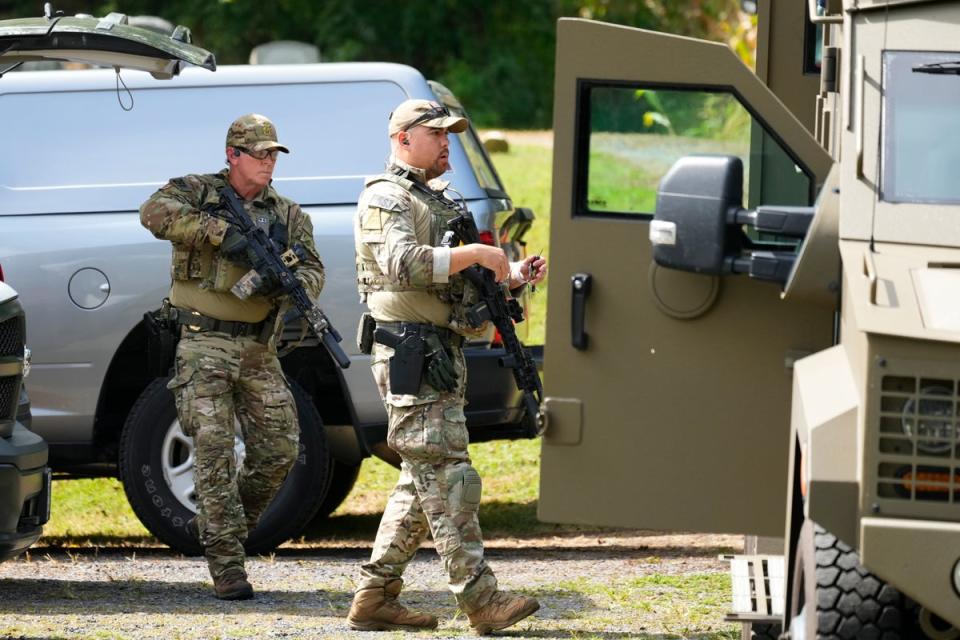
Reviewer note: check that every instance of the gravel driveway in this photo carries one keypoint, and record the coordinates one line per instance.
(305, 592)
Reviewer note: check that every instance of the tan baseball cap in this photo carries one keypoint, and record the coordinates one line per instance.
(427, 113)
(254, 132)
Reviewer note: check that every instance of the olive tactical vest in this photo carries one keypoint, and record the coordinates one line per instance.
(430, 217)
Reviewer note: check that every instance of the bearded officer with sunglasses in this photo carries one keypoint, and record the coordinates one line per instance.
(418, 303)
(226, 360)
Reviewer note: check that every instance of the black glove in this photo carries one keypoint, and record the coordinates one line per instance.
(440, 372)
(234, 247)
(269, 283)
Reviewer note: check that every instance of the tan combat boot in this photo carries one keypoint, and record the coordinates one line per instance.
(377, 609)
(502, 611)
(233, 585)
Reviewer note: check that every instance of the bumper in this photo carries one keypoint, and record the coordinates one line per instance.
(24, 491)
(493, 406)
(920, 558)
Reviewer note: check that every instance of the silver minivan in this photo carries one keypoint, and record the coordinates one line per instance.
(90, 148)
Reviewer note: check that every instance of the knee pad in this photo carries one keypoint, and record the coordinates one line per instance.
(467, 488)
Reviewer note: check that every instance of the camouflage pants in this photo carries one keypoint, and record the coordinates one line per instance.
(438, 490)
(218, 378)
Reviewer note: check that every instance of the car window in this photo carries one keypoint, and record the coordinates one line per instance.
(486, 175)
(921, 127)
(630, 135)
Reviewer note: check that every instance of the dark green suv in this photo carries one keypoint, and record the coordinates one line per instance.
(24, 476)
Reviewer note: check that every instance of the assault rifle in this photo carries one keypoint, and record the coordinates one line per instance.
(266, 258)
(497, 308)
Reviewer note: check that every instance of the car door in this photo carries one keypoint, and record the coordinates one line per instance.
(107, 41)
(667, 393)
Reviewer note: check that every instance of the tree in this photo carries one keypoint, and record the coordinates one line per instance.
(497, 56)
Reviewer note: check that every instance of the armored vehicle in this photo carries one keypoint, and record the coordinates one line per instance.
(768, 341)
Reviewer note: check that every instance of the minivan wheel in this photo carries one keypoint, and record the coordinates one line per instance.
(834, 597)
(342, 478)
(156, 468)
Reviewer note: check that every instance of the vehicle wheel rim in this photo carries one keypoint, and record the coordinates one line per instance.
(177, 460)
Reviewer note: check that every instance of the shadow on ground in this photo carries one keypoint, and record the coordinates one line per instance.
(504, 524)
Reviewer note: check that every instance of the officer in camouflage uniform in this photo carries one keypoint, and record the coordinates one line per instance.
(226, 363)
(411, 286)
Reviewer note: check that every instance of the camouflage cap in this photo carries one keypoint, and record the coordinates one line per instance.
(254, 132)
(415, 113)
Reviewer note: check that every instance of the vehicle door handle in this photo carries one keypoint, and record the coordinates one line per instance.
(580, 282)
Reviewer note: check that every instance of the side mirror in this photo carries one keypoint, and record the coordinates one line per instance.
(695, 202)
(698, 225)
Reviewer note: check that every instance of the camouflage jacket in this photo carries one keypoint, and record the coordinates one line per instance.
(181, 212)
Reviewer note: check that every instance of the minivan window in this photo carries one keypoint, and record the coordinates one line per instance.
(630, 135)
(115, 165)
(486, 174)
(921, 128)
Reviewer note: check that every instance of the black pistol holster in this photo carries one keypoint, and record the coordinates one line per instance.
(365, 333)
(406, 364)
(162, 337)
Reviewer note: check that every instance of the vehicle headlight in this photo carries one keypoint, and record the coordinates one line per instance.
(26, 361)
(930, 420)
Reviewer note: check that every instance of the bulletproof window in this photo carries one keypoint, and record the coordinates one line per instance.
(629, 135)
(921, 127)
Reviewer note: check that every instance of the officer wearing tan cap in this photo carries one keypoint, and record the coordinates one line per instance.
(412, 287)
(226, 364)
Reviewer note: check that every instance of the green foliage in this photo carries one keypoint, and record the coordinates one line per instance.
(497, 56)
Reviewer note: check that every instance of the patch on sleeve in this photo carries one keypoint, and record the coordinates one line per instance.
(373, 219)
(386, 202)
(371, 224)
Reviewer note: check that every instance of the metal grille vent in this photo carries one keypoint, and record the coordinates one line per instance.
(11, 336)
(9, 386)
(919, 447)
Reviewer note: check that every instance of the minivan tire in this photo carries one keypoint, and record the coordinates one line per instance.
(342, 479)
(150, 420)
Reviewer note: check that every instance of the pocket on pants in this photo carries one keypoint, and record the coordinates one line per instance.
(455, 429)
(196, 396)
(409, 431)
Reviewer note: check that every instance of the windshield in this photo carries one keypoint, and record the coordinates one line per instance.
(921, 128)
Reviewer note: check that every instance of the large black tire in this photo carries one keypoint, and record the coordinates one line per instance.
(342, 479)
(154, 417)
(834, 597)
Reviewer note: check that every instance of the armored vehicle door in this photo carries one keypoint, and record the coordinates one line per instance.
(668, 393)
(108, 41)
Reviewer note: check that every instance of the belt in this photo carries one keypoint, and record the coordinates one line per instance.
(447, 336)
(195, 321)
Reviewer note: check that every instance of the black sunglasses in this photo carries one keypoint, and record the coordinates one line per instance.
(262, 154)
(435, 112)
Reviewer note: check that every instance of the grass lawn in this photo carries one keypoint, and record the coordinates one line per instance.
(526, 172)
